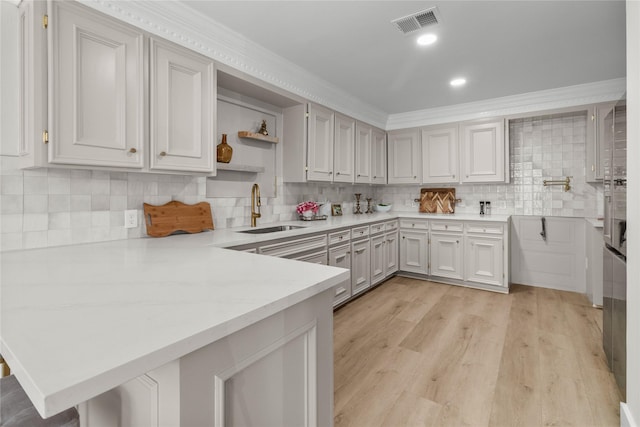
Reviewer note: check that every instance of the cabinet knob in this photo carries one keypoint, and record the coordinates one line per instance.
(413, 225)
(446, 227)
(359, 175)
(453, 176)
(133, 150)
(403, 237)
(331, 173)
(374, 177)
(162, 153)
(348, 252)
(337, 173)
(457, 241)
(414, 177)
(467, 176)
(340, 238)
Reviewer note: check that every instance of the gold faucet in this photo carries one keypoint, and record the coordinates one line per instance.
(255, 202)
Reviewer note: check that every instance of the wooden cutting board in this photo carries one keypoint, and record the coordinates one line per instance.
(438, 200)
(176, 217)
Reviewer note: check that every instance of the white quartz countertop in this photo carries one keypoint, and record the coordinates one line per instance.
(230, 237)
(595, 222)
(79, 320)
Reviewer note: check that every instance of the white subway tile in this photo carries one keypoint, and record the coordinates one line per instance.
(36, 222)
(36, 203)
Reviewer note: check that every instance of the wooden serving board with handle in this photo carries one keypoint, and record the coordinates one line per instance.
(176, 217)
(438, 200)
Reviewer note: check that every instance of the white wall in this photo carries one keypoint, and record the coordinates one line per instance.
(633, 211)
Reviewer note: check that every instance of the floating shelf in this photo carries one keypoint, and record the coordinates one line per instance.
(239, 168)
(257, 136)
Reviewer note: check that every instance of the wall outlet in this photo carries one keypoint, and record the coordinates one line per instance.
(131, 218)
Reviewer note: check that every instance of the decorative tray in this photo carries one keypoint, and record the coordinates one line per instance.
(312, 218)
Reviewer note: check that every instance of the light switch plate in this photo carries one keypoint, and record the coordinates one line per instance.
(131, 218)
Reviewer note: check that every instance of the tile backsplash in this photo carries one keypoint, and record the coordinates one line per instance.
(51, 207)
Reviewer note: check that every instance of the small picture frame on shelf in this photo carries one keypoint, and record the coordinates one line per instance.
(336, 209)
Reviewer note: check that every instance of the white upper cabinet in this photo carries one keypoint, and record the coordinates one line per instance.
(404, 157)
(483, 151)
(595, 148)
(440, 154)
(343, 148)
(320, 144)
(117, 98)
(96, 87)
(371, 155)
(378, 156)
(363, 153)
(182, 103)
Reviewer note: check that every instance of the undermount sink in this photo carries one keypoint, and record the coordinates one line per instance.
(271, 229)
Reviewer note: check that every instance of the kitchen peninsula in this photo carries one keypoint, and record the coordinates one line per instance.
(215, 324)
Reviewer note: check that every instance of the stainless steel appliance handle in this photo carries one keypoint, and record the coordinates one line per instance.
(543, 233)
(622, 225)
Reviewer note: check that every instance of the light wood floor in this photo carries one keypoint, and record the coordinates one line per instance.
(420, 353)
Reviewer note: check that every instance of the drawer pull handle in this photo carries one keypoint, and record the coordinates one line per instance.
(163, 153)
(359, 251)
(133, 150)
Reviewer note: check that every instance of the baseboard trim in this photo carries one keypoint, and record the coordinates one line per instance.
(626, 417)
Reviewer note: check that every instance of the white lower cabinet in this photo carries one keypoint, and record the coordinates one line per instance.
(465, 252)
(484, 260)
(414, 251)
(360, 266)
(378, 266)
(446, 255)
(391, 253)
(340, 256)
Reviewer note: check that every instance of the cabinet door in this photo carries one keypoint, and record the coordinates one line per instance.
(378, 157)
(378, 262)
(340, 256)
(363, 153)
(484, 260)
(150, 400)
(360, 266)
(413, 251)
(404, 157)
(440, 155)
(595, 147)
(320, 144)
(483, 152)
(391, 253)
(96, 85)
(182, 109)
(344, 148)
(446, 255)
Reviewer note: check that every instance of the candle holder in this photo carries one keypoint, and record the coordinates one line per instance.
(369, 207)
(357, 210)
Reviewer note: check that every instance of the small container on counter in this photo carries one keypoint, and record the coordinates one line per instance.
(481, 208)
(487, 208)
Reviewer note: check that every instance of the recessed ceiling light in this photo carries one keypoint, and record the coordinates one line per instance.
(458, 82)
(427, 39)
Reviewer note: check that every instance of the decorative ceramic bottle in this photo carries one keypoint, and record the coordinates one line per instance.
(224, 150)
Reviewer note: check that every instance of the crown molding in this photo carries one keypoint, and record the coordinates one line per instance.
(174, 21)
(569, 96)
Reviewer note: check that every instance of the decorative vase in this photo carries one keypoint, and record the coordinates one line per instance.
(224, 150)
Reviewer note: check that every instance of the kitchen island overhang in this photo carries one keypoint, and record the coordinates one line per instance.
(80, 320)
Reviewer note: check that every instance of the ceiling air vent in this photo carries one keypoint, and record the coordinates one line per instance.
(417, 21)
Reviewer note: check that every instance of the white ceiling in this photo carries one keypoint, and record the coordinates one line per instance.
(502, 47)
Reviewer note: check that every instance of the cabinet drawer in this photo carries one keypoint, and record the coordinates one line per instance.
(319, 257)
(479, 227)
(446, 226)
(339, 237)
(391, 225)
(358, 232)
(288, 248)
(414, 223)
(377, 228)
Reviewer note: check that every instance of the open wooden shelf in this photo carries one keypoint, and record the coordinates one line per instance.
(239, 168)
(257, 136)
